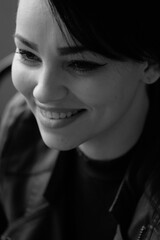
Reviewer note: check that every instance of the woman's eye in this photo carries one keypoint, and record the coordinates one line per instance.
(84, 66)
(28, 56)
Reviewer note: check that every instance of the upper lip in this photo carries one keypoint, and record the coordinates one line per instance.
(57, 109)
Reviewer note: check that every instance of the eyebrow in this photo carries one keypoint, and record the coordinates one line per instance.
(26, 42)
(68, 50)
(71, 50)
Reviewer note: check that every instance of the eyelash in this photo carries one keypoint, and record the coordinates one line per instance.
(80, 66)
(84, 66)
(28, 56)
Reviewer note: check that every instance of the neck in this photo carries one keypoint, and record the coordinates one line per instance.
(119, 139)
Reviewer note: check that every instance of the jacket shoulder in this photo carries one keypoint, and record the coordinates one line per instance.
(22, 150)
(16, 114)
(15, 108)
(18, 133)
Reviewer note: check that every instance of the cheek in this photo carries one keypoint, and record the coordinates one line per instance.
(21, 79)
(109, 97)
(98, 93)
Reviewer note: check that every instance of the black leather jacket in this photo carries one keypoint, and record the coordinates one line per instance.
(26, 165)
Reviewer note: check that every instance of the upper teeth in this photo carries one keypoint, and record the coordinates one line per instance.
(56, 115)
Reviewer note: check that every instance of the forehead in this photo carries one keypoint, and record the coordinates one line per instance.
(36, 19)
(32, 9)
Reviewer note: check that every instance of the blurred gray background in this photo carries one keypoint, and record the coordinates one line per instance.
(7, 25)
(8, 10)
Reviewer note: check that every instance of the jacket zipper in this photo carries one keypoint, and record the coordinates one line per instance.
(141, 233)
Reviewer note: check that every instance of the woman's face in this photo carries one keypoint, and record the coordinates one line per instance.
(77, 97)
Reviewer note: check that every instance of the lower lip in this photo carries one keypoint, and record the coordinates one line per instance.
(57, 123)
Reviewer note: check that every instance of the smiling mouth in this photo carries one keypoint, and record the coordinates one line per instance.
(59, 115)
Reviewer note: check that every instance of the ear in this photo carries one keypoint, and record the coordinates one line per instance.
(151, 72)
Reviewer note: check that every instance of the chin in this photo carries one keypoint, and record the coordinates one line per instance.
(58, 142)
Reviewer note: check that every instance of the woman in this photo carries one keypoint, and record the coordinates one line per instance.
(77, 149)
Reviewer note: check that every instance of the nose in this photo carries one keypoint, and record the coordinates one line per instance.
(49, 88)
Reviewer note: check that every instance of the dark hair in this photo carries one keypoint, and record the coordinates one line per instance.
(116, 30)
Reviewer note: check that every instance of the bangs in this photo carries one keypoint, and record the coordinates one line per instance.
(117, 36)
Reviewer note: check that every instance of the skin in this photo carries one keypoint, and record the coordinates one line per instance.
(113, 93)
